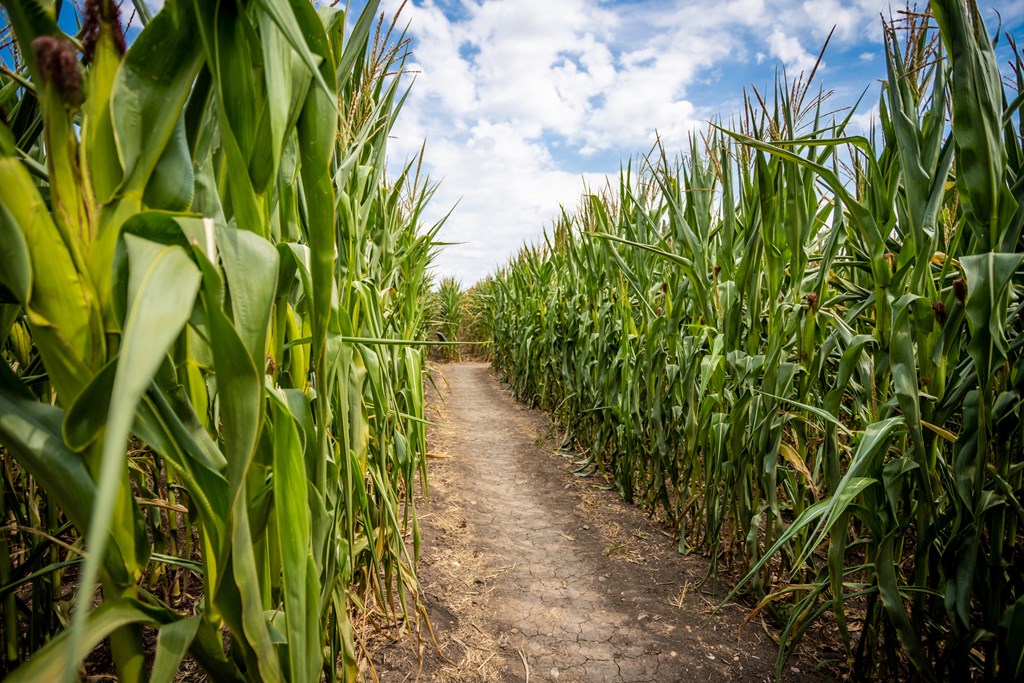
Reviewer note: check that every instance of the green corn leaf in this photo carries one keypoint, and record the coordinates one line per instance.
(356, 46)
(888, 589)
(172, 643)
(31, 431)
(149, 94)
(297, 35)
(98, 141)
(286, 77)
(988, 279)
(143, 10)
(240, 388)
(63, 653)
(294, 527)
(171, 187)
(229, 46)
(977, 105)
(823, 414)
(60, 307)
(800, 524)
(696, 279)
(162, 289)
(1011, 668)
(317, 122)
(250, 269)
(904, 376)
(859, 475)
(87, 415)
(16, 273)
(238, 381)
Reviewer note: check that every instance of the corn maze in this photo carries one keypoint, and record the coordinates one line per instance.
(799, 347)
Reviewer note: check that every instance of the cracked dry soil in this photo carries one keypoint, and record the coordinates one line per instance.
(531, 574)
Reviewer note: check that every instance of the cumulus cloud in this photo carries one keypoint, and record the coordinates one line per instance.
(502, 183)
(788, 50)
(521, 101)
(863, 123)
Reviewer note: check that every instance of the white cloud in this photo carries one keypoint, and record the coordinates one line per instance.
(791, 53)
(864, 122)
(502, 183)
(857, 20)
(517, 98)
(446, 76)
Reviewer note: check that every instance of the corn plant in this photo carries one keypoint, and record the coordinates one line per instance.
(478, 324)
(804, 347)
(448, 316)
(210, 301)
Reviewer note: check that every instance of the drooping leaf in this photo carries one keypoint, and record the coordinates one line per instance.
(162, 289)
(988, 278)
(63, 652)
(150, 91)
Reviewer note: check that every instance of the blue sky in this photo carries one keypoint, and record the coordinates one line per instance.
(521, 102)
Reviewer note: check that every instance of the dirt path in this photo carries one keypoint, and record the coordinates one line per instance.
(532, 574)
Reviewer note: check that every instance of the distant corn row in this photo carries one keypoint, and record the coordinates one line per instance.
(198, 248)
(447, 310)
(805, 348)
(457, 315)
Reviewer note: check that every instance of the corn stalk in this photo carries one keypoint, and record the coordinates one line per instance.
(201, 253)
(804, 347)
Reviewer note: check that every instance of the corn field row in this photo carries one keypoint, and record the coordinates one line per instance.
(804, 347)
(209, 407)
(447, 313)
(459, 320)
